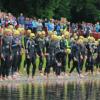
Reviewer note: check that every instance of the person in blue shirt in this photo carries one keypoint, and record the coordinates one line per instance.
(34, 25)
(50, 25)
(21, 19)
(97, 27)
(30, 26)
(57, 28)
(39, 25)
(27, 23)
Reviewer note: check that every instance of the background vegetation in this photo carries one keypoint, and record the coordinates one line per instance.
(74, 10)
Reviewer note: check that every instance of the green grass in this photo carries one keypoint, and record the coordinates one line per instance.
(44, 65)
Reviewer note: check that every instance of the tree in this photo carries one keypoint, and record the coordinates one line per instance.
(63, 9)
(74, 10)
(81, 10)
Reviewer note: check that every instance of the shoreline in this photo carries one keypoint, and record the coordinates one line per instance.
(53, 79)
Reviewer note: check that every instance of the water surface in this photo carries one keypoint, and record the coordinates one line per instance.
(51, 91)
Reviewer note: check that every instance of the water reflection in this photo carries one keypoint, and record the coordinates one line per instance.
(49, 91)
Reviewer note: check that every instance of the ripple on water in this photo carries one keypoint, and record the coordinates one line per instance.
(58, 90)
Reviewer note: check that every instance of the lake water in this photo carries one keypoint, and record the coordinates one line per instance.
(48, 91)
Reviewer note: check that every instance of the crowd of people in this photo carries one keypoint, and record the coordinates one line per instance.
(64, 45)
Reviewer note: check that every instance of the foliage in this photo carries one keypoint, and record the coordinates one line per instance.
(74, 10)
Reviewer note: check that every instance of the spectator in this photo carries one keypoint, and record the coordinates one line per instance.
(21, 19)
(34, 25)
(97, 27)
(50, 25)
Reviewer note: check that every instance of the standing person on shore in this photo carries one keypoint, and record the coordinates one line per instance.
(60, 57)
(0, 56)
(26, 38)
(31, 55)
(16, 53)
(76, 53)
(65, 45)
(54, 46)
(90, 55)
(68, 46)
(21, 39)
(83, 53)
(98, 56)
(40, 49)
(6, 54)
(47, 52)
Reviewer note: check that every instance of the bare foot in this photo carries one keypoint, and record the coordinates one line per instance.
(67, 75)
(87, 73)
(5, 78)
(81, 76)
(9, 78)
(1, 79)
(41, 74)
